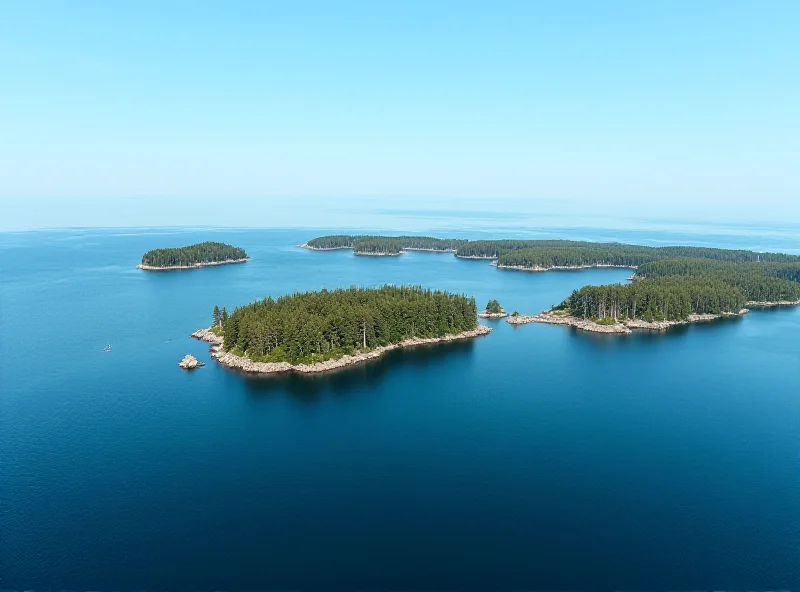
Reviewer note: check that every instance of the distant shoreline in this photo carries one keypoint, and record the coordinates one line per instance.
(230, 360)
(367, 254)
(538, 268)
(619, 328)
(193, 266)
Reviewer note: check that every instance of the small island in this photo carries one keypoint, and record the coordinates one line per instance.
(189, 362)
(192, 257)
(378, 246)
(319, 331)
(493, 311)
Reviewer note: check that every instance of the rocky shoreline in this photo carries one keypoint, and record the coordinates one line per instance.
(245, 364)
(754, 304)
(619, 328)
(194, 266)
(429, 250)
(564, 267)
(476, 257)
(492, 315)
(364, 253)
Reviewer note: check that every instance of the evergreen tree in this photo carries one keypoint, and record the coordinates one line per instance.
(494, 307)
(315, 326)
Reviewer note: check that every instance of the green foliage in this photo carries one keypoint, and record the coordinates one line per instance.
(390, 245)
(207, 252)
(549, 253)
(494, 307)
(760, 282)
(671, 282)
(606, 321)
(314, 326)
(671, 298)
(578, 254)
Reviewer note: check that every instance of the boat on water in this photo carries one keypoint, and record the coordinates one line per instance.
(107, 348)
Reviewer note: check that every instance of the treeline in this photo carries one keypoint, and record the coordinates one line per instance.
(207, 252)
(391, 245)
(546, 253)
(579, 255)
(315, 326)
(671, 298)
(760, 282)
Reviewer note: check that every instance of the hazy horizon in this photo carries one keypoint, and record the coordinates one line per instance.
(683, 110)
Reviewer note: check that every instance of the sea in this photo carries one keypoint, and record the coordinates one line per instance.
(536, 457)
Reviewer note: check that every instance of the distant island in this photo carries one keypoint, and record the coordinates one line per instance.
(671, 285)
(318, 331)
(382, 245)
(200, 255)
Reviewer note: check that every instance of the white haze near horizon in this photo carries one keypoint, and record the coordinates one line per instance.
(389, 213)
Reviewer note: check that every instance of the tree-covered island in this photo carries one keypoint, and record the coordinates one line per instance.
(316, 331)
(493, 311)
(193, 256)
(677, 291)
(383, 245)
(671, 285)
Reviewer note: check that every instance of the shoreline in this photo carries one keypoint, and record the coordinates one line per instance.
(621, 327)
(193, 266)
(429, 250)
(755, 304)
(230, 360)
(539, 268)
(310, 248)
(476, 257)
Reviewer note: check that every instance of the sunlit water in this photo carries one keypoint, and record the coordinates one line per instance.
(535, 457)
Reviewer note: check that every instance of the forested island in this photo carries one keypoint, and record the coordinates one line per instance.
(382, 245)
(317, 331)
(671, 285)
(493, 310)
(676, 291)
(193, 256)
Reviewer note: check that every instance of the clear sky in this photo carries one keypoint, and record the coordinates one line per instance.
(660, 107)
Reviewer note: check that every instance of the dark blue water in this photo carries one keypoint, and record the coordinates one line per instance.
(535, 457)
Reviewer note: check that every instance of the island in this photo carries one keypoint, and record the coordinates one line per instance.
(675, 292)
(493, 311)
(382, 245)
(192, 257)
(189, 362)
(669, 286)
(319, 331)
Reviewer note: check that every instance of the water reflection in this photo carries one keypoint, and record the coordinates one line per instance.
(344, 381)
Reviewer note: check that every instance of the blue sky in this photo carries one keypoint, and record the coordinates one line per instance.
(659, 107)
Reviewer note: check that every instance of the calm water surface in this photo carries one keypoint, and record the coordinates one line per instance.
(535, 457)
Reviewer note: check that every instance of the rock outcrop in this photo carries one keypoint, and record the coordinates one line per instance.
(247, 365)
(189, 362)
(621, 327)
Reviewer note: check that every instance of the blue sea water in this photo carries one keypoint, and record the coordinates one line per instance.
(536, 457)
